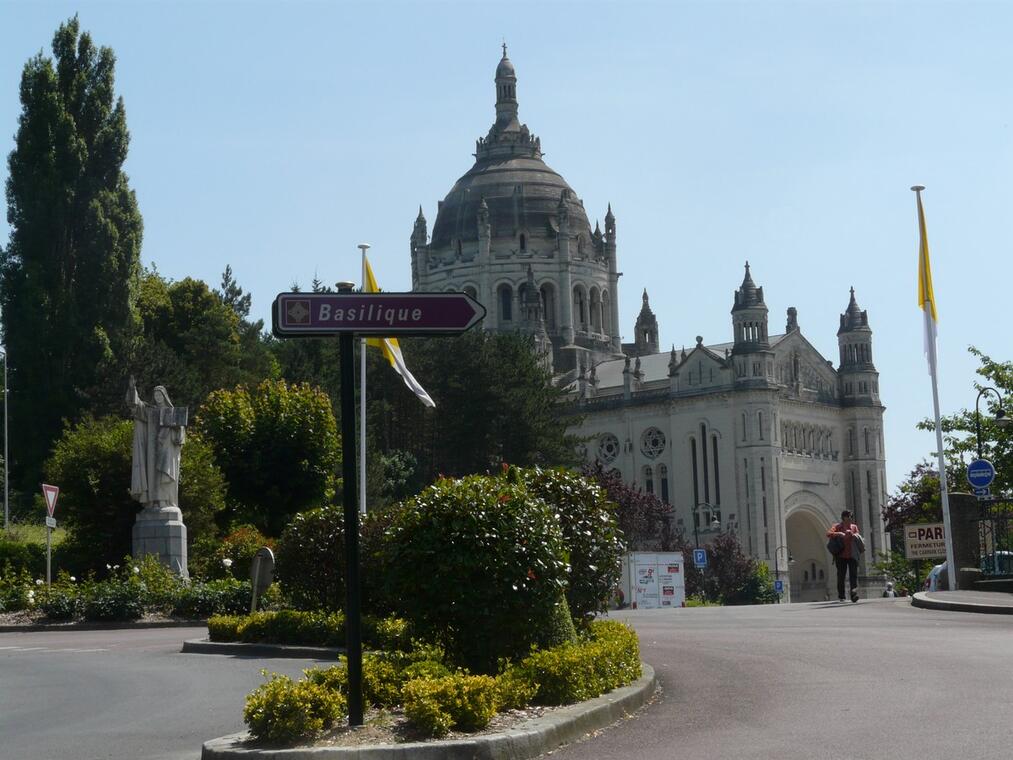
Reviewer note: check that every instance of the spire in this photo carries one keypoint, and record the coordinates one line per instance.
(609, 216)
(748, 295)
(506, 95)
(421, 217)
(854, 318)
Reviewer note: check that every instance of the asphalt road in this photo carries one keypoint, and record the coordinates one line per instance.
(877, 679)
(119, 695)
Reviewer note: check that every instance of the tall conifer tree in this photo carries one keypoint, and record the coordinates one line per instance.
(70, 271)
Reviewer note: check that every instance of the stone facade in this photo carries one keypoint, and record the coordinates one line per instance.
(761, 436)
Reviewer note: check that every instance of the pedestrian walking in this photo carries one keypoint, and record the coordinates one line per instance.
(845, 537)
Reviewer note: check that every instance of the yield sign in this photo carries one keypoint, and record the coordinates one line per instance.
(51, 493)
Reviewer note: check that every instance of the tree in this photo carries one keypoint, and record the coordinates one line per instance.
(195, 341)
(495, 403)
(644, 519)
(731, 577)
(278, 447)
(959, 430)
(70, 271)
(91, 462)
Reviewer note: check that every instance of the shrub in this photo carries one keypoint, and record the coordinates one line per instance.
(294, 627)
(514, 690)
(113, 599)
(608, 659)
(311, 559)
(478, 564)
(160, 587)
(61, 603)
(220, 597)
(23, 555)
(283, 710)
(224, 627)
(17, 589)
(212, 558)
(594, 544)
(461, 701)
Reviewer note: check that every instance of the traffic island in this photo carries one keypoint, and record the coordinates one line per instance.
(529, 739)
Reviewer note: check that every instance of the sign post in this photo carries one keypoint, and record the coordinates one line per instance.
(700, 558)
(52, 493)
(347, 314)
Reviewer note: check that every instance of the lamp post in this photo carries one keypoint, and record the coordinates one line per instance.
(777, 569)
(715, 523)
(1001, 420)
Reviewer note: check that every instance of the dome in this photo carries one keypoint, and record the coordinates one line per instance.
(505, 68)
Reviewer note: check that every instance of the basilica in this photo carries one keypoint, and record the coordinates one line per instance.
(760, 435)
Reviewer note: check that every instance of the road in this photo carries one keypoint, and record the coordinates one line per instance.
(114, 695)
(877, 679)
(871, 680)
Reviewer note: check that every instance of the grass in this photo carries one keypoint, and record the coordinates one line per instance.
(32, 533)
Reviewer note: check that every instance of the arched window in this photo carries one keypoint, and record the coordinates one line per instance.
(506, 303)
(580, 308)
(458, 249)
(524, 242)
(470, 290)
(595, 311)
(663, 477)
(759, 423)
(605, 312)
(648, 479)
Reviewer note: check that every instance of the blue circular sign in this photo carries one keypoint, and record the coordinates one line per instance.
(980, 473)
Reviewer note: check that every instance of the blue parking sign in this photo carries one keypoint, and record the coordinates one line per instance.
(779, 587)
(700, 557)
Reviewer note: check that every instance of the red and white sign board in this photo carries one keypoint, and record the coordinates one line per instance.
(51, 493)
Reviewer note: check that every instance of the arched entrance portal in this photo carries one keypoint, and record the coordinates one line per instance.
(811, 571)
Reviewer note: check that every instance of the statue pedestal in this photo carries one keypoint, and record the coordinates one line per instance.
(160, 531)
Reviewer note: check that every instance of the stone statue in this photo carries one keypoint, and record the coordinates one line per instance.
(159, 433)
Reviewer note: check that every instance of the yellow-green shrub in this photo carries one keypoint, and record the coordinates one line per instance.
(514, 690)
(283, 710)
(224, 627)
(459, 701)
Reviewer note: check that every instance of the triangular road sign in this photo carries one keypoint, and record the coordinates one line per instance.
(51, 493)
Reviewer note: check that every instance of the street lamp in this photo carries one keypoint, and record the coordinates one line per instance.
(715, 523)
(777, 569)
(1001, 420)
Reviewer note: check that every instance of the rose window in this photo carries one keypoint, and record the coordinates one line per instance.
(608, 447)
(652, 443)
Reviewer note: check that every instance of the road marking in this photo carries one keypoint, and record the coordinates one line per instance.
(51, 649)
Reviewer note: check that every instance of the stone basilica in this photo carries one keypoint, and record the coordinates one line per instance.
(761, 435)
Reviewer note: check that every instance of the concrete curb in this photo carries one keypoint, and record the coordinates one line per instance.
(203, 646)
(531, 739)
(36, 627)
(921, 600)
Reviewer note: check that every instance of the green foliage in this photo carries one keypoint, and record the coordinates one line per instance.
(278, 447)
(224, 627)
(92, 461)
(297, 627)
(283, 710)
(460, 701)
(593, 542)
(114, 599)
(23, 555)
(644, 520)
(557, 628)
(478, 564)
(69, 273)
(194, 341)
(607, 659)
(224, 596)
(17, 589)
(732, 576)
(495, 403)
(514, 689)
(907, 576)
(229, 557)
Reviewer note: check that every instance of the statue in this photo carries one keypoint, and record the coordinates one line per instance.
(159, 433)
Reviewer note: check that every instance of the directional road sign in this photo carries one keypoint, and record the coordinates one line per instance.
(980, 473)
(52, 493)
(700, 557)
(383, 314)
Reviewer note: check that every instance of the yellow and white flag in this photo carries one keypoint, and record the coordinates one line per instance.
(926, 299)
(389, 346)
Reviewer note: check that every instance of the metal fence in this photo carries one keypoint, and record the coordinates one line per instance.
(995, 533)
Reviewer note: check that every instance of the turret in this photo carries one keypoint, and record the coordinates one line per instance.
(857, 374)
(645, 332)
(418, 247)
(754, 361)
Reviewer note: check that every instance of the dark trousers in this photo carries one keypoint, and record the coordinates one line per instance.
(849, 566)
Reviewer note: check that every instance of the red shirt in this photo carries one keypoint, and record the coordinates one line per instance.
(846, 533)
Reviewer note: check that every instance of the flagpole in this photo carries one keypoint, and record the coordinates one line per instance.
(362, 399)
(930, 346)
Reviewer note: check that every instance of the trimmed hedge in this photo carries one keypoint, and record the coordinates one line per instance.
(283, 710)
(301, 628)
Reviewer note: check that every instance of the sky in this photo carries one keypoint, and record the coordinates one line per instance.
(275, 137)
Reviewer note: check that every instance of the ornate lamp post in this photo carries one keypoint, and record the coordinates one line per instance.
(715, 524)
(777, 569)
(1001, 420)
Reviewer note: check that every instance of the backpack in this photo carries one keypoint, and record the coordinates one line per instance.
(835, 545)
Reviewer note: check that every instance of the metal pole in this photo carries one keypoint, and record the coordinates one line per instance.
(49, 574)
(977, 420)
(352, 613)
(362, 399)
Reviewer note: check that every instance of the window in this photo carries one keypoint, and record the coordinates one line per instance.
(706, 477)
(652, 443)
(524, 242)
(759, 423)
(717, 474)
(605, 311)
(648, 480)
(506, 303)
(663, 477)
(696, 483)
(549, 307)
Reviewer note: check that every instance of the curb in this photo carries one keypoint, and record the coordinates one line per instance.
(921, 600)
(203, 646)
(531, 739)
(36, 627)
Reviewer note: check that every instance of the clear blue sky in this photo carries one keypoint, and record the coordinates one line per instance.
(275, 137)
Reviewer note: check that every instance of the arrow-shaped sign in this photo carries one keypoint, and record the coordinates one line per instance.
(52, 493)
(383, 314)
